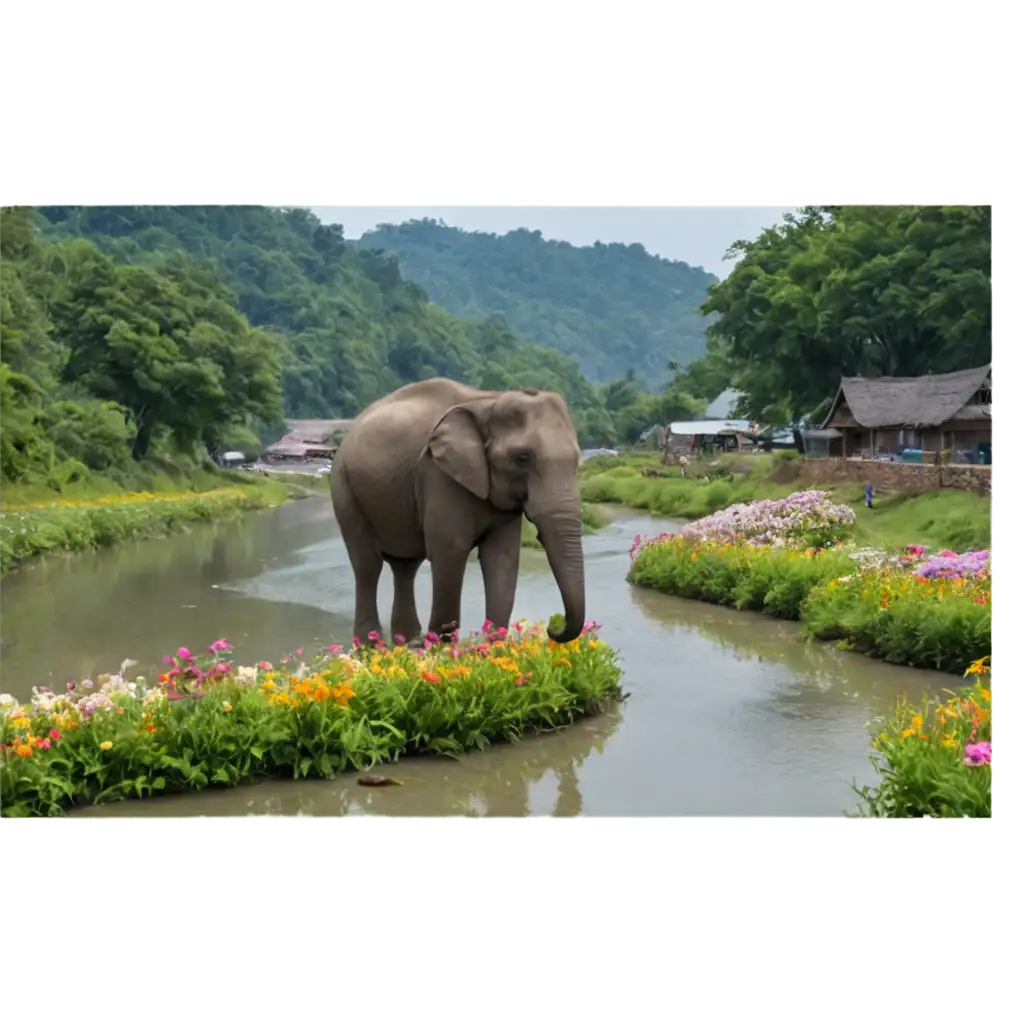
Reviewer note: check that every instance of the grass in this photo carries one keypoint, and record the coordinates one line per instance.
(948, 518)
(35, 521)
(345, 712)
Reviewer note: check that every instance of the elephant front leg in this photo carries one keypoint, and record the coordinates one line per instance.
(499, 563)
(448, 569)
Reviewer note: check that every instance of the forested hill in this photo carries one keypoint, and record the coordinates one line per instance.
(352, 328)
(611, 307)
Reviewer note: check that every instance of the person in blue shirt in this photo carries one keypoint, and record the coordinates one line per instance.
(869, 493)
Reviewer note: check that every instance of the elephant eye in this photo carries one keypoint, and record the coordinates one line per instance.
(521, 458)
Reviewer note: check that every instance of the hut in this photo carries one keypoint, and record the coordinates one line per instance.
(915, 418)
(307, 439)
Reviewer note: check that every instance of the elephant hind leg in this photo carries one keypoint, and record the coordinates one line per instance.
(405, 622)
(364, 554)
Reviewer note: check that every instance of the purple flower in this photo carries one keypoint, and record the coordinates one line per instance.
(399, 639)
(183, 652)
(978, 753)
(168, 660)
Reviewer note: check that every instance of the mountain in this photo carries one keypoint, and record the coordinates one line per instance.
(352, 328)
(611, 307)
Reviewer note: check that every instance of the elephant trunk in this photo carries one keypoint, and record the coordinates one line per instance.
(561, 533)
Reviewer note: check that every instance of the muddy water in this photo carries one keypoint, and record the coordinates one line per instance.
(730, 713)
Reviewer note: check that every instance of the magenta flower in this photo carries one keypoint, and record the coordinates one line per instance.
(978, 753)
(70, 686)
(488, 625)
(373, 635)
(168, 660)
(335, 648)
(298, 651)
(183, 652)
(44, 744)
(399, 639)
(355, 642)
(218, 645)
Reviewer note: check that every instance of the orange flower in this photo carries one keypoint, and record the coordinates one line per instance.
(149, 727)
(303, 686)
(432, 677)
(23, 750)
(342, 693)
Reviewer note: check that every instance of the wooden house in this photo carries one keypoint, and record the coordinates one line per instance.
(880, 416)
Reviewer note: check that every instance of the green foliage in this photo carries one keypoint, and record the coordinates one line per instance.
(345, 714)
(920, 755)
(891, 615)
(772, 580)
(30, 530)
(351, 329)
(855, 291)
(611, 307)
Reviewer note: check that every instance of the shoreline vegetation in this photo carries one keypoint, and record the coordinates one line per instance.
(207, 722)
(35, 522)
(790, 559)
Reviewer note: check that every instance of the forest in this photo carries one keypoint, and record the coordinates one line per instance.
(611, 307)
(130, 332)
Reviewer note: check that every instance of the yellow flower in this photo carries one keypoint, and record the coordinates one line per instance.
(106, 745)
(268, 686)
(562, 661)
(227, 706)
(21, 723)
(907, 732)
(986, 694)
(917, 721)
(949, 742)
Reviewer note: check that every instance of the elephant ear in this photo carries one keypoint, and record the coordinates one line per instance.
(458, 448)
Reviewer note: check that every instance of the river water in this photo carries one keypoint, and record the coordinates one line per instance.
(730, 713)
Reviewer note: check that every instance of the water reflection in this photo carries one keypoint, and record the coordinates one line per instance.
(539, 775)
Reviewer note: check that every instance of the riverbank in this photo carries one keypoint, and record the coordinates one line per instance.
(206, 722)
(787, 559)
(933, 759)
(941, 519)
(34, 521)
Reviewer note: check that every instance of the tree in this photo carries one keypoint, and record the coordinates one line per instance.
(853, 290)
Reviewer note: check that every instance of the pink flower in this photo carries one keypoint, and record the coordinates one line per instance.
(55, 734)
(44, 744)
(70, 686)
(373, 635)
(521, 681)
(399, 639)
(168, 660)
(218, 645)
(978, 753)
(298, 651)
(183, 652)
(335, 648)
(355, 642)
(488, 625)
(266, 666)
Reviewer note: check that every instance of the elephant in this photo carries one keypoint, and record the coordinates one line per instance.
(437, 469)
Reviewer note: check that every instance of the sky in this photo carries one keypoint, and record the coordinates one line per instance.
(698, 235)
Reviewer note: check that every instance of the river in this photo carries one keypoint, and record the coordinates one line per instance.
(730, 713)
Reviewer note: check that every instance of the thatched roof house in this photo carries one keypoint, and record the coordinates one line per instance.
(885, 415)
(307, 439)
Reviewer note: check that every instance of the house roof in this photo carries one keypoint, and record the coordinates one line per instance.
(307, 435)
(908, 401)
(685, 427)
(724, 404)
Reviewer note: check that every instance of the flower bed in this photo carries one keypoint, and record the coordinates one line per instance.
(29, 530)
(927, 612)
(207, 722)
(935, 760)
(909, 615)
(804, 519)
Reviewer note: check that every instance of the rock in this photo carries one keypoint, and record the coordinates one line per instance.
(377, 780)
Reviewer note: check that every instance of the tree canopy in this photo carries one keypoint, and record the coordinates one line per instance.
(853, 291)
(611, 307)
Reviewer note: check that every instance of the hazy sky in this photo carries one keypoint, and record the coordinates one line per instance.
(699, 235)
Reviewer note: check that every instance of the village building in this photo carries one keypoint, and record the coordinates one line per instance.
(914, 418)
(307, 439)
(688, 436)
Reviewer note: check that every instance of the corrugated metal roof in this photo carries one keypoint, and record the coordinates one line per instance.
(684, 427)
